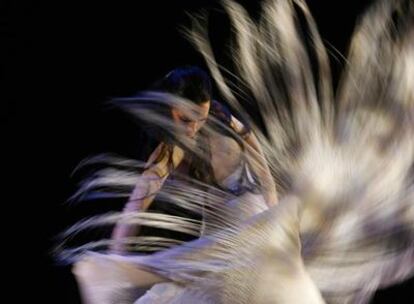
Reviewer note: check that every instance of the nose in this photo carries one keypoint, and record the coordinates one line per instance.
(191, 129)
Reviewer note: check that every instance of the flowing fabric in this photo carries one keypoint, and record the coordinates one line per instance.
(343, 165)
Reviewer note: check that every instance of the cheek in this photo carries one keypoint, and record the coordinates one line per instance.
(200, 125)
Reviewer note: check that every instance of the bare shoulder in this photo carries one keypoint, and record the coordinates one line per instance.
(163, 160)
(223, 113)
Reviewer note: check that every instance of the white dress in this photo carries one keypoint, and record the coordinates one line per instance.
(244, 206)
(348, 212)
(114, 287)
(198, 273)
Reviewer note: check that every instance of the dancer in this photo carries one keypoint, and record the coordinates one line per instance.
(344, 225)
(222, 163)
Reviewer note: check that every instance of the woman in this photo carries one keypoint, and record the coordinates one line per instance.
(344, 227)
(220, 163)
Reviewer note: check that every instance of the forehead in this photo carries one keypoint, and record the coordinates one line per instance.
(203, 108)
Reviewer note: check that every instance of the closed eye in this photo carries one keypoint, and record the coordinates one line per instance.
(187, 120)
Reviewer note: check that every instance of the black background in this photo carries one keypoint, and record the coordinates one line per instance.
(61, 61)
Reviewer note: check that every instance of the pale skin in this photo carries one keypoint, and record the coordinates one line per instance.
(225, 153)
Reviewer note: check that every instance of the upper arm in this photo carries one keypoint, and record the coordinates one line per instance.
(158, 168)
(246, 134)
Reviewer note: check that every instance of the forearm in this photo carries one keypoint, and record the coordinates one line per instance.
(257, 161)
(148, 185)
(261, 168)
(124, 230)
(139, 201)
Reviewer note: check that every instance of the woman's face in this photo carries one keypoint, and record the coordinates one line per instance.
(191, 121)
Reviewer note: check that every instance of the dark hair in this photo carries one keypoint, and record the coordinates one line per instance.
(194, 84)
(189, 82)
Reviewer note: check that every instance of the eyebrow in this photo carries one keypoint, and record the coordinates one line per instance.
(186, 119)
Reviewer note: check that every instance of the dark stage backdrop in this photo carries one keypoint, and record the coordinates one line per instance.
(62, 62)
